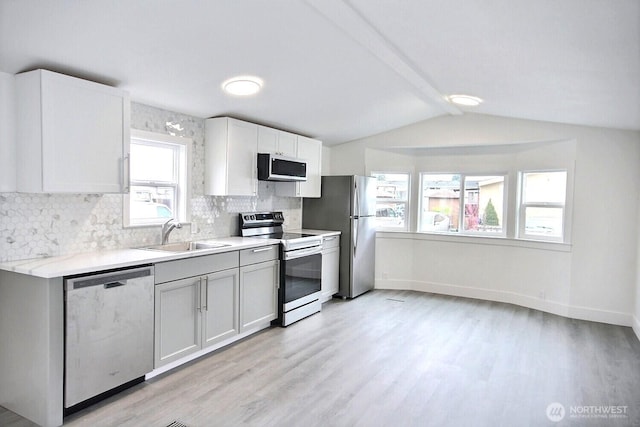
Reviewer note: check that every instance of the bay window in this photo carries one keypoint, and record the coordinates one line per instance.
(463, 204)
(542, 205)
(392, 200)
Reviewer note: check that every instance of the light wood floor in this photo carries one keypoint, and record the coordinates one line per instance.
(394, 358)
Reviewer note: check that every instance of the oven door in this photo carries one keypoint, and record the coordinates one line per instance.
(302, 273)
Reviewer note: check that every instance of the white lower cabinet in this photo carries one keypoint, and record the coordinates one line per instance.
(194, 313)
(178, 321)
(330, 267)
(226, 295)
(258, 293)
(220, 314)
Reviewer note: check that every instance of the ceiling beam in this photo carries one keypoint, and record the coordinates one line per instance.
(349, 20)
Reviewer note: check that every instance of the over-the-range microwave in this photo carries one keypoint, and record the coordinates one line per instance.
(273, 167)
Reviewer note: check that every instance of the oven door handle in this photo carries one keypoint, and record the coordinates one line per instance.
(299, 253)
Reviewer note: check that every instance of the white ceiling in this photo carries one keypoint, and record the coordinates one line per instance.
(341, 70)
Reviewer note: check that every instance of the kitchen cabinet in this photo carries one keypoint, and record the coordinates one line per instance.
(192, 313)
(330, 267)
(259, 284)
(220, 313)
(310, 150)
(231, 151)
(7, 133)
(277, 141)
(73, 134)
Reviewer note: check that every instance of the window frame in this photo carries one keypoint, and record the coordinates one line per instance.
(522, 206)
(462, 202)
(181, 185)
(407, 202)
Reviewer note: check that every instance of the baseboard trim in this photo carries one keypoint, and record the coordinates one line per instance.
(548, 306)
(636, 327)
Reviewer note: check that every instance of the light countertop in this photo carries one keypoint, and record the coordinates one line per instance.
(66, 265)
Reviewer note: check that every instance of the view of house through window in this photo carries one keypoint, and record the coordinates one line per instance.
(158, 179)
(542, 201)
(392, 200)
(460, 203)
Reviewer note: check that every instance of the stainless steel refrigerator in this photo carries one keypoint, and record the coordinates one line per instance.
(348, 204)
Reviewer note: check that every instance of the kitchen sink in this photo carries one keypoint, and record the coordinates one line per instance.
(186, 246)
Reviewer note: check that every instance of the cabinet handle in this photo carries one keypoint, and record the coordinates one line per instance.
(206, 294)
(330, 238)
(126, 173)
(255, 251)
(200, 294)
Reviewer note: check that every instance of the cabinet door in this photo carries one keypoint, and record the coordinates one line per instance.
(311, 151)
(177, 320)
(258, 293)
(242, 149)
(267, 140)
(72, 133)
(82, 141)
(330, 273)
(287, 144)
(7, 133)
(220, 313)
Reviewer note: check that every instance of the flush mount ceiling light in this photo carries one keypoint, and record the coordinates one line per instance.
(464, 100)
(242, 85)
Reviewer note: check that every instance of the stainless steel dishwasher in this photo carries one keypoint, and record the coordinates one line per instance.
(108, 332)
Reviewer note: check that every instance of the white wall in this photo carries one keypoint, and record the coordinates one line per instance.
(636, 320)
(7, 133)
(595, 277)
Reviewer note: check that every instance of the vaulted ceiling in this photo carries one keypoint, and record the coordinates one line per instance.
(341, 70)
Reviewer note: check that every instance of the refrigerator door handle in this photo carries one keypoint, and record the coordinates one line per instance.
(355, 235)
(356, 211)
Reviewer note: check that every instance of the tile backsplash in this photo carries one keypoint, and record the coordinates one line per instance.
(38, 225)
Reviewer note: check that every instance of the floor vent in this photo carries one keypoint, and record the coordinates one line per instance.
(394, 299)
(177, 424)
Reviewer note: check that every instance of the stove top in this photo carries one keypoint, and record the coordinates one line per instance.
(269, 225)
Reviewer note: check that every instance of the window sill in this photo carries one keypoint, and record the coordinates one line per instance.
(476, 240)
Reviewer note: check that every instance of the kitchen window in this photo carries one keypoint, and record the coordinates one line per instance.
(392, 200)
(159, 177)
(463, 204)
(541, 210)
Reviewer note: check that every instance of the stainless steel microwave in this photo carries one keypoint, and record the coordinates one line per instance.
(272, 167)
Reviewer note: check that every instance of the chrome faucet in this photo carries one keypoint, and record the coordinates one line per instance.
(167, 228)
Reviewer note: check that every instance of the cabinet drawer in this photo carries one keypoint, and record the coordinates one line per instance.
(196, 266)
(261, 254)
(330, 242)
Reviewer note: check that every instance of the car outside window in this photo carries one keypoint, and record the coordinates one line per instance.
(158, 179)
(392, 200)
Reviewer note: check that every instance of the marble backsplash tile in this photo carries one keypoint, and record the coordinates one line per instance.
(38, 225)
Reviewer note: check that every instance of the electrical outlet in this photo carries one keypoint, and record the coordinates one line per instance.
(385, 275)
(542, 295)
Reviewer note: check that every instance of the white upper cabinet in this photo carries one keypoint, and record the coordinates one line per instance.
(7, 133)
(277, 141)
(72, 135)
(310, 150)
(231, 155)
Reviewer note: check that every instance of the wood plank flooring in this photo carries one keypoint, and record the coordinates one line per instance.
(395, 358)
